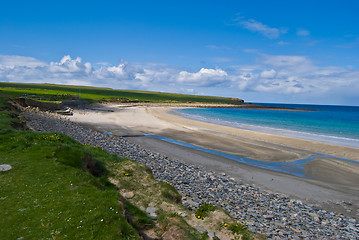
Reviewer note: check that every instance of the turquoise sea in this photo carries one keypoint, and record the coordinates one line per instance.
(330, 124)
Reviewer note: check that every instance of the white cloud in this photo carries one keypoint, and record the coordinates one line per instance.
(298, 75)
(268, 74)
(289, 63)
(255, 26)
(272, 75)
(12, 61)
(150, 76)
(111, 71)
(204, 77)
(67, 64)
(303, 32)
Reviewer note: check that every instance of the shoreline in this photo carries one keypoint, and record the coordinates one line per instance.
(298, 134)
(204, 105)
(340, 151)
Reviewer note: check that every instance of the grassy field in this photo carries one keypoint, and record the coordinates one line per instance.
(51, 92)
(49, 193)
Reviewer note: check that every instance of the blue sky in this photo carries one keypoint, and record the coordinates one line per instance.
(261, 51)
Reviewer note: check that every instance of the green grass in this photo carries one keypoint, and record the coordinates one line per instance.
(57, 188)
(170, 193)
(240, 229)
(51, 92)
(5, 120)
(50, 194)
(203, 210)
(8, 115)
(140, 218)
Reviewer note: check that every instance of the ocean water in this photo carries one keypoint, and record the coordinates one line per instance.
(329, 124)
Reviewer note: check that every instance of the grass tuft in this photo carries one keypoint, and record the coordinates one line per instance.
(203, 210)
(170, 193)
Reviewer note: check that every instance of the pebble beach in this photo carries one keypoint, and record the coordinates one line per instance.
(274, 214)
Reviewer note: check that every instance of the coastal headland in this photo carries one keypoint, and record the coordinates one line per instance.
(328, 177)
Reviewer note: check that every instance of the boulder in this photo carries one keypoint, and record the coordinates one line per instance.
(128, 195)
(5, 167)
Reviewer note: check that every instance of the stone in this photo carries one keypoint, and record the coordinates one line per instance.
(191, 203)
(279, 224)
(315, 217)
(268, 217)
(352, 220)
(182, 214)
(295, 230)
(5, 167)
(128, 195)
(150, 210)
(211, 234)
(153, 216)
(200, 229)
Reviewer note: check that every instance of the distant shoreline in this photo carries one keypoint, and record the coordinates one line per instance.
(209, 105)
(80, 104)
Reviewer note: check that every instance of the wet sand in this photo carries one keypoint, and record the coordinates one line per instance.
(329, 180)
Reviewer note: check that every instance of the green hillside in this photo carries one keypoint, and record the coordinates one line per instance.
(52, 92)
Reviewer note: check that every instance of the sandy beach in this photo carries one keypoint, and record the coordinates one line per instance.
(329, 180)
